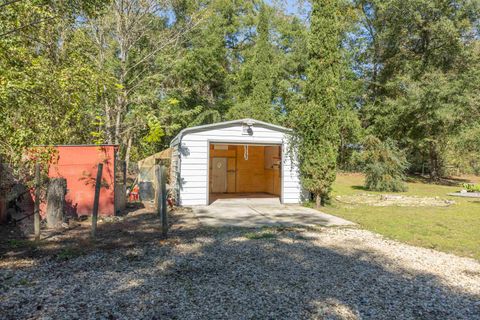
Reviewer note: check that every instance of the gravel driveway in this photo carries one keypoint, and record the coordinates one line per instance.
(209, 273)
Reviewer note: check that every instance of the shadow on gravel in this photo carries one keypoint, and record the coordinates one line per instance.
(227, 273)
(270, 278)
(135, 230)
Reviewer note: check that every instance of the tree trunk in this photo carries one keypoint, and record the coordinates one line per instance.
(123, 42)
(118, 120)
(434, 163)
(56, 191)
(318, 200)
(127, 152)
(108, 119)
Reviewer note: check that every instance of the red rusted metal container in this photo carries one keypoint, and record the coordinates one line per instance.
(78, 165)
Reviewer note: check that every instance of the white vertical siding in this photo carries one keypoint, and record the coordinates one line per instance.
(193, 159)
(193, 171)
(291, 187)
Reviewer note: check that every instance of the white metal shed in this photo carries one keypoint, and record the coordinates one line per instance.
(236, 158)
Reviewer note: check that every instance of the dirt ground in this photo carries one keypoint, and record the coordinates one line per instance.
(235, 273)
(385, 200)
(137, 226)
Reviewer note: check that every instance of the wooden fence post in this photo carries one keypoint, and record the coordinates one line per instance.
(124, 172)
(161, 198)
(36, 209)
(98, 184)
(157, 190)
(57, 188)
(164, 215)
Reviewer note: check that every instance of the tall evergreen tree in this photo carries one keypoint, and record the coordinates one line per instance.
(258, 104)
(262, 80)
(316, 120)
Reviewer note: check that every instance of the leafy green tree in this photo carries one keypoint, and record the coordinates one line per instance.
(138, 47)
(47, 85)
(316, 120)
(420, 65)
(463, 150)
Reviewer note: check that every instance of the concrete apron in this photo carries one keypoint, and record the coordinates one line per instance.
(259, 212)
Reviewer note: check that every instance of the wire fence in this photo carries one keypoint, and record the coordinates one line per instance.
(29, 202)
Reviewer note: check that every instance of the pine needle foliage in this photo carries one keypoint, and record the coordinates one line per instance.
(262, 81)
(259, 104)
(385, 165)
(316, 119)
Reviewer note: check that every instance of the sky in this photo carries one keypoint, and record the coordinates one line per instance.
(297, 7)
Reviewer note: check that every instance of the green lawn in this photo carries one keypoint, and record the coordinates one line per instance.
(454, 229)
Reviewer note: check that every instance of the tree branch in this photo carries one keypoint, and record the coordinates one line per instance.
(26, 26)
(9, 3)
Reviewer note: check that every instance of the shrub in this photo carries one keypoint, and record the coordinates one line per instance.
(470, 187)
(385, 165)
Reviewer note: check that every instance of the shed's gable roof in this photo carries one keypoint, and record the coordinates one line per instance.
(207, 127)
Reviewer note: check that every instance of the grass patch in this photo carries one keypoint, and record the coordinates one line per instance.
(452, 229)
(262, 235)
(24, 282)
(18, 243)
(68, 254)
